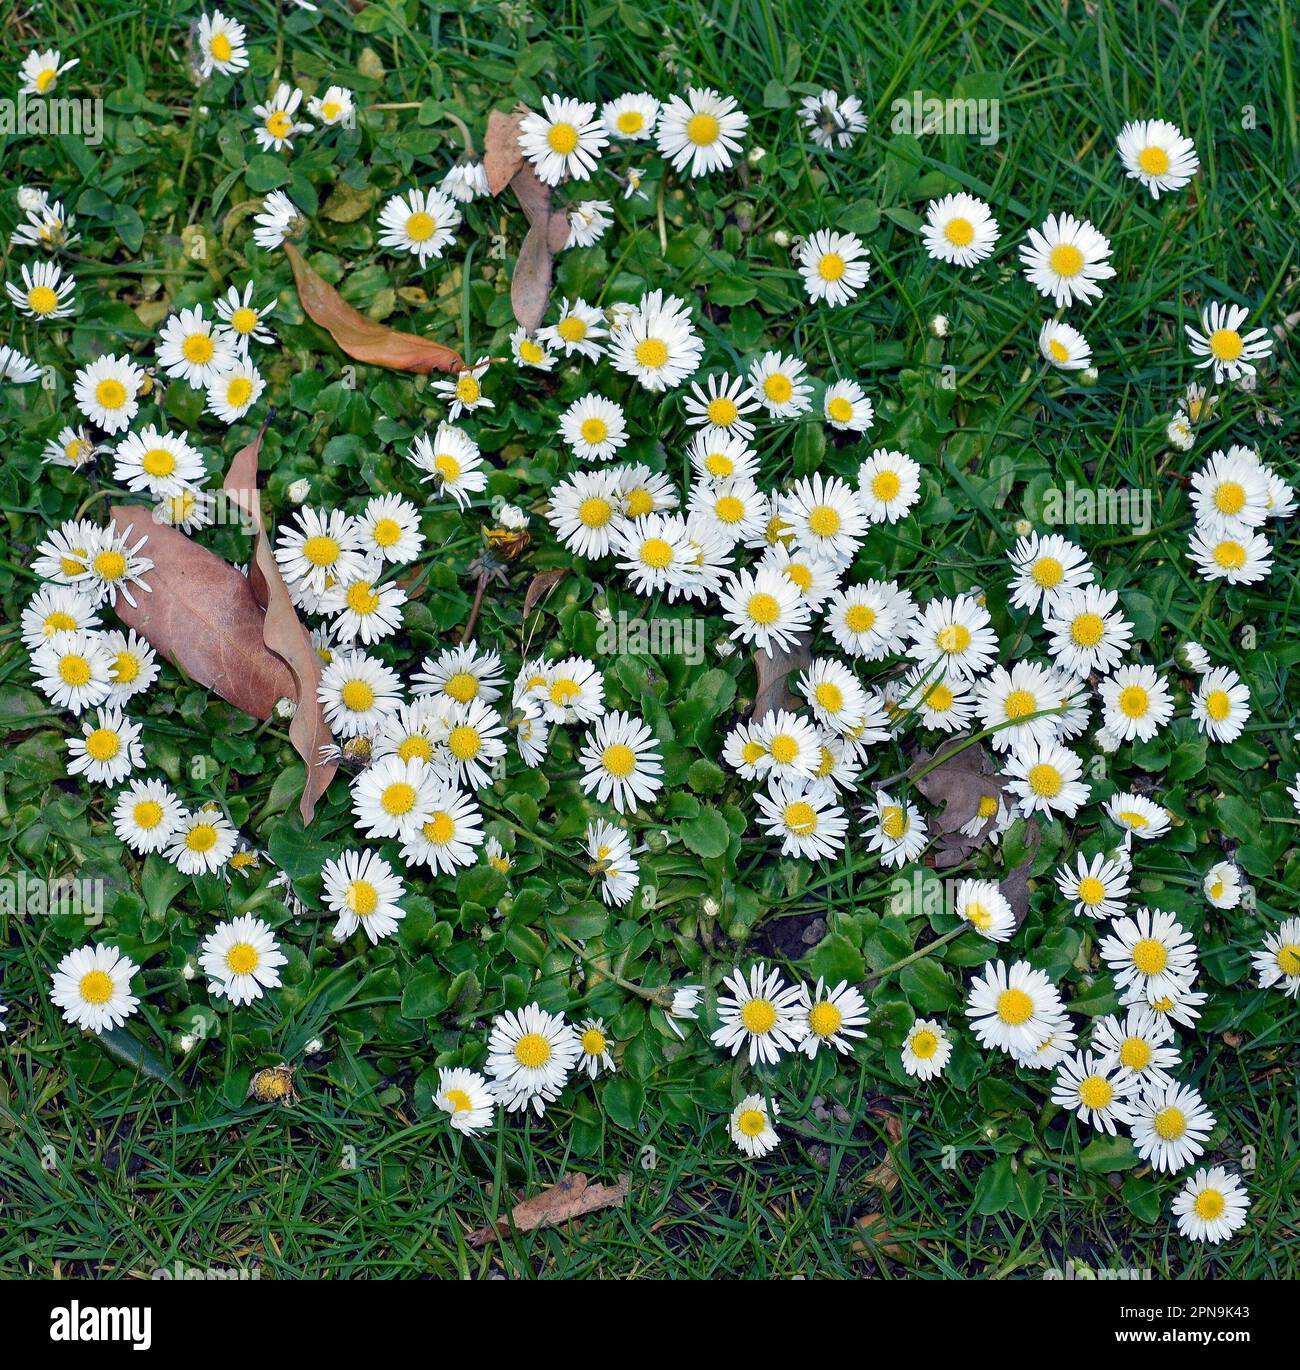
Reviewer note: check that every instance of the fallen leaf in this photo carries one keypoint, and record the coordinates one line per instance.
(501, 154)
(203, 617)
(572, 1197)
(540, 585)
(879, 1238)
(361, 338)
(283, 631)
(773, 671)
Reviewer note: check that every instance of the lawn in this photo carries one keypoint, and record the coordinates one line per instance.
(146, 1149)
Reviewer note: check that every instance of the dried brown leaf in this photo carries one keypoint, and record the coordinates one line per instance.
(501, 154)
(773, 671)
(541, 585)
(572, 1197)
(361, 338)
(283, 632)
(958, 783)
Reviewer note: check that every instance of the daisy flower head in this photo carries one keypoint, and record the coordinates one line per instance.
(420, 222)
(323, 547)
(157, 463)
(814, 577)
(394, 795)
(585, 510)
(956, 635)
(531, 1054)
(1097, 1089)
(1151, 950)
(389, 528)
(1046, 778)
(362, 607)
(593, 1038)
(830, 1017)
(465, 181)
(276, 124)
(926, 1049)
(277, 220)
(1097, 888)
(1020, 704)
(804, 815)
(863, 621)
(145, 814)
(234, 389)
(191, 348)
(1088, 632)
(735, 507)
(357, 693)
(780, 385)
(834, 266)
(48, 226)
(701, 133)
(475, 743)
(565, 139)
(333, 108)
(610, 851)
(1221, 345)
(1221, 885)
(983, 905)
(578, 328)
(1183, 1007)
(594, 428)
(452, 461)
(1238, 560)
(362, 890)
(654, 552)
(658, 345)
(241, 959)
(73, 670)
(242, 321)
(1065, 259)
(1211, 1206)
(45, 294)
(946, 704)
(108, 390)
(202, 841)
(959, 229)
(643, 491)
(92, 987)
(1155, 153)
(765, 609)
(465, 392)
(1046, 570)
(745, 752)
(1277, 963)
(1230, 493)
(1063, 347)
(834, 694)
(1138, 815)
(588, 221)
(449, 837)
(40, 71)
(107, 752)
(1221, 705)
(1139, 1043)
(826, 516)
(1013, 1007)
(116, 566)
(1170, 1125)
(889, 484)
(897, 830)
(630, 117)
(56, 609)
(832, 120)
(751, 1125)
(73, 448)
(462, 674)
(1136, 703)
(722, 410)
(134, 665)
(621, 762)
(21, 370)
(221, 45)
(760, 1014)
(845, 407)
(528, 351)
(467, 1100)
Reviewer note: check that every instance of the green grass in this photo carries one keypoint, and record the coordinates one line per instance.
(108, 1173)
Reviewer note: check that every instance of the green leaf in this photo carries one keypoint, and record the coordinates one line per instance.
(707, 834)
(425, 996)
(129, 1050)
(624, 1100)
(1104, 1154)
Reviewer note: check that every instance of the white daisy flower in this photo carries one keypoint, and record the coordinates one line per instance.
(1220, 343)
(983, 905)
(594, 1041)
(1017, 704)
(461, 673)
(658, 344)
(630, 117)
(643, 491)
(1088, 633)
(834, 694)
(1063, 347)
(1054, 1048)
(1239, 561)
(1047, 779)
(1155, 153)
(55, 609)
(145, 815)
(889, 484)
(565, 139)
(834, 266)
(465, 1097)
(466, 181)
(1151, 950)
(362, 890)
(569, 691)
(702, 133)
(357, 693)
(333, 108)
(1211, 1206)
(1221, 705)
(466, 391)
(1222, 885)
(1136, 703)
(48, 226)
(325, 546)
(202, 841)
(40, 71)
(654, 552)
(846, 407)
(830, 1017)
(759, 1013)
(585, 510)
(1095, 1088)
(46, 293)
(276, 126)
(610, 851)
(594, 428)
(827, 517)
(897, 832)
(108, 392)
(1097, 888)
(241, 320)
(221, 45)
(578, 328)
(73, 448)
(959, 229)
(74, 670)
(863, 622)
(395, 795)
(735, 508)
(1047, 570)
(722, 411)
(277, 220)
(815, 578)
(529, 351)
(956, 635)
(1230, 494)
(946, 704)
(234, 390)
(362, 607)
(1013, 1007)
(1170, 1125)
(715, 457)
(107, 752)
(804, 815)
(1278, 961)
(92, 987)
(241, 959)
(621, 762)
(21, 370)
(1138, 816)
(588, 221)
(779, 384)
(831, 120)
(451, 459)
(765, 609)
(191, 348)
(750, 1125)
(475, 743)
(161, 464)
(1066, 259)
(926, 1049)
(421, 222)
(450, 835)
(531, 1055)
(1139, 1043)
(389, 528)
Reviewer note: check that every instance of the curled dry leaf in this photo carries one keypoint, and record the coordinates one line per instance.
(361, 338)
(573, 1196)
(773, 677)
(541, 585)
(283, 632)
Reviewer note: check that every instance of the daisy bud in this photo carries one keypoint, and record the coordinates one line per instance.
(710, 906)
(1088, 376)
(1179, 435)
(185, 1042)
(314, 1047)
(1023, 528)
(781, 238)
(285, 708)
(1106, 741)
(1191, 656)
(188, 971)
(299, 490)
(939, 326)
(756, 155)
(30, 199)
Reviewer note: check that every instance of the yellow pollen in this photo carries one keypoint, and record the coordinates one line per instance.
(831, 267)
(1149, 956)
(417, 747)
(651, 353)
(58, 622)
(464, 742)
(1059, 351)
(459, 1100)
(1134, 701)
(532, 1051)
(1170, 1124)
(1288, 960)
(362, 898)
(594, 1042)
(959, 232)
(357, 696)
(595, 512)
(595, 431)
(219, 47)
(1019, 703)
(893, 821)
(619, 760)
(1218, 705)
(1230, 497)
(860, 618)
(74, 670)
(703, 129)
(147, 814)
(361, 598)
(829, 696)
(924, 1044)
(1230, 555)
(638, 502)
(1095, 1092)
(440, 829)
(1154, 161)
(886, 486)
(1091, 891)
(953, 639)
(752, 1122)
(1015, 1007)
(572, 329)
(563, 138)
(729, 509)
(420, 227)
(825, 1019)
(468, 390)
(109, 565)
(1045, 780)
(242, 959)
(530, 351)
(96, 987)
(201, 837)
(1226, 344)
(1209, 1204)
(778, 388)
(1066, 260)
(1048, 572)
(758, 1016)
(719, 466)
(763, 608)
(656, 553)
(321, 550)
(1087, 630)
(840, 409)
(630, 121)
(463, 686)
(940, 698)
(1135, 1053)
(824, 521)
(988, 804)
(42, 300)
(110, 393)
(103, 744)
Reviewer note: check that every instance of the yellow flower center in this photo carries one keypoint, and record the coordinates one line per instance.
(1020, 703)
(440, 829)
(594, 1042)
(1045, 780)
(595, 512)
(988, 804)
(96, 987)
(42, 300)
(1150, 956)
(1170, 1124)
(1154, 161)
(619, 760)
(651, 353)
(1209, 1204)
(1066, 260)
(1095, 1092)
(763, 608)
(219, 47)
(241, 959)
(893, 821)
(109, 565)
(829, 696)
(278, 124)
(362, 898)
(825, 1019)
(198, 348)
(638, 502)
(1226, 344)
(1015, 1007)
(563, 138)
(321, 550)
(1087, 629)
(1135, 1053)
(824, 521)
(953, 639)
(831, 267)
(1230, 555)
(719, 466)
(1230, 497)
(447, 467)
(1218, 705)
(1048, 572)
(417, 747)
(630, 121)
(532, 1050)
(201, 837)
(459, 1100)
(110, 393)
(103, 744)
(594, 431)
(1091, 891)
(74, 670)
(239, 391)
(752, 1122)
(1058, 350)
(886, 486)
(464, 742)
(959, 232)
(722, 412)
(778, 388)
(357, 696)
(530, 351)
(468, 390)
(158, 461)
(147, 814)
(860, 618)
(758, 1016)
(1134, 701)
(386, 532)
(703, 129)
(45, 79)
(656, 553)
(924, 1044)
(420, 227)
(800, 818)
(1288, 960)
(361, 598)
(572, 329)
(841, 410)
(939, 697)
